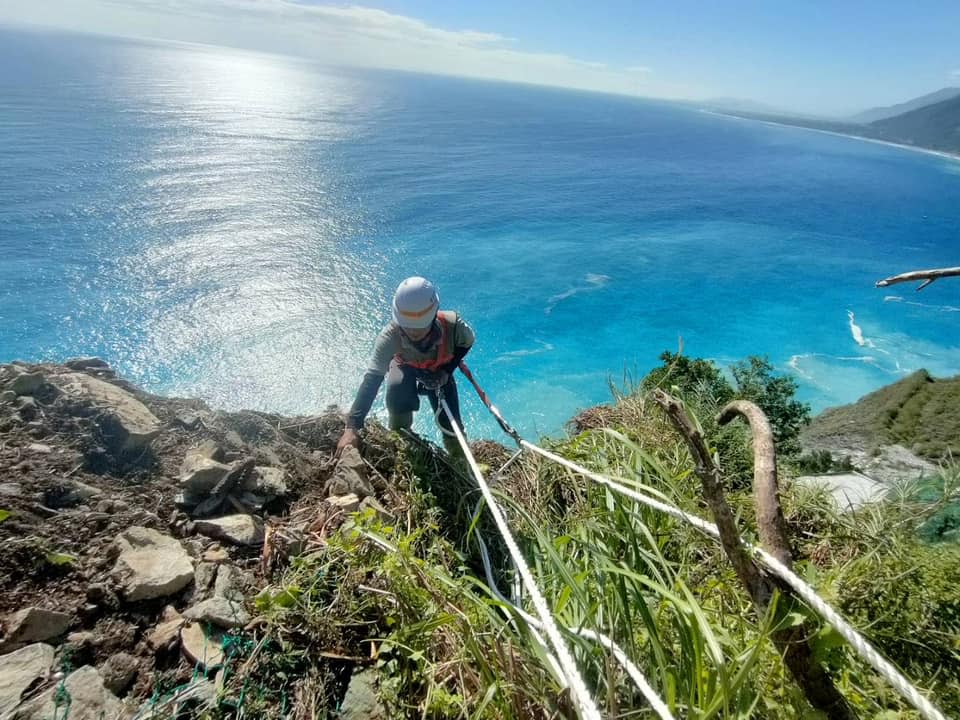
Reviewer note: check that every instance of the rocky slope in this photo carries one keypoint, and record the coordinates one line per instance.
(136, 529)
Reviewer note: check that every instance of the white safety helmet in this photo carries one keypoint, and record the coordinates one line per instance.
(415, 303)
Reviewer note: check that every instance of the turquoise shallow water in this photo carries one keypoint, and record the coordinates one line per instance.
(231, 226)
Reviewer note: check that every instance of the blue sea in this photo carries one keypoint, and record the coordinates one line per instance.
(231, 225)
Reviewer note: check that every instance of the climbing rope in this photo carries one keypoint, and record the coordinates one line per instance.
(859, 643)
(632, 670)
(588, 708)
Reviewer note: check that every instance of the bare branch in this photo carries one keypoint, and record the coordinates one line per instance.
(928, 276)
(766, 491)
(810, 675)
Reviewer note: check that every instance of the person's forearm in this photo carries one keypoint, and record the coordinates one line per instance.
(367, 393)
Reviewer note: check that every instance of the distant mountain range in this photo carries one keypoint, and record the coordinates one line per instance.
(931, 121)
(882, 113)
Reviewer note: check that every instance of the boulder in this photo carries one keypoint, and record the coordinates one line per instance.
(203, 579)
(118, 672)
(83, 689)
(219, 611)
(350, 476)
(132, 425)
(20, 670)
(150, 564)
(236, 529)
(32, 625)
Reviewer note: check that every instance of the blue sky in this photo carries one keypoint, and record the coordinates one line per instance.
(810, 56)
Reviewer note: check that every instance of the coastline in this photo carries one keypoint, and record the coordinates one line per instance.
(955, 157)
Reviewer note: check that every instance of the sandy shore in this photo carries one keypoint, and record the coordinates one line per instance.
(914, 148)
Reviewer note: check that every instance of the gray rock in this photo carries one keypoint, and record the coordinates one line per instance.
(348, 503)
(232, 583)
(39, 449)
(166, 631)
(150, 564)
(185, 701)
(208, 449)
(87, 363)
(88, 698)
(202, 647)
(203, 579)
(350, 476)
(68, 492)
(21, 669)
(27, 383)
(118, 672)
(199, 475)
(32, 625)
(219, 611)
(10, 489)
(269, 482)
(8, 396)
(361, 701)
(236, 529)
(133, 426)
(27, 407)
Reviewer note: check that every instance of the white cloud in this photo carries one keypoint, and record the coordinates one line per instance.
(345, 35)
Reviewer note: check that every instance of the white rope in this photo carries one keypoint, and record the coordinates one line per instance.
(632, 670)
(805, 591)
(578, 689)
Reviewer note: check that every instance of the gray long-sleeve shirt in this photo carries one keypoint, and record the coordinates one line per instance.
(393, 343)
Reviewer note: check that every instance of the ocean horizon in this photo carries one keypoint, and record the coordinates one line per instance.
(231, 225)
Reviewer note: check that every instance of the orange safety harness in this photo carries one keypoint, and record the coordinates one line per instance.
(444, 350)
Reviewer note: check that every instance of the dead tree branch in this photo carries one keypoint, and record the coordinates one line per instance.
(809, 674)
(928, 276)
(766, 491)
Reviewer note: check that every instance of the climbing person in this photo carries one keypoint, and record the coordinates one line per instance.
(418, 352)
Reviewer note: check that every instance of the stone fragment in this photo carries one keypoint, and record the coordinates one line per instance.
(87, 363)
(267, 481)
(199, 475)
(350, 476)
(8, 396)
(201, 647)
(118, 672)
(67, 492)
(203, 579)
(166, 631)
(215, 554)
(10, 489)
(19, 671)
(27, 383)
(348, 503)
(361, 701)
(220, 611)
(232, 583)
(32, 625)
(131, 425)
(150, 564)
(88, 700)
(39, 449)
(236, 529)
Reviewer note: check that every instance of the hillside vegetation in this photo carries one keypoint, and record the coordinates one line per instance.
(920, 412)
